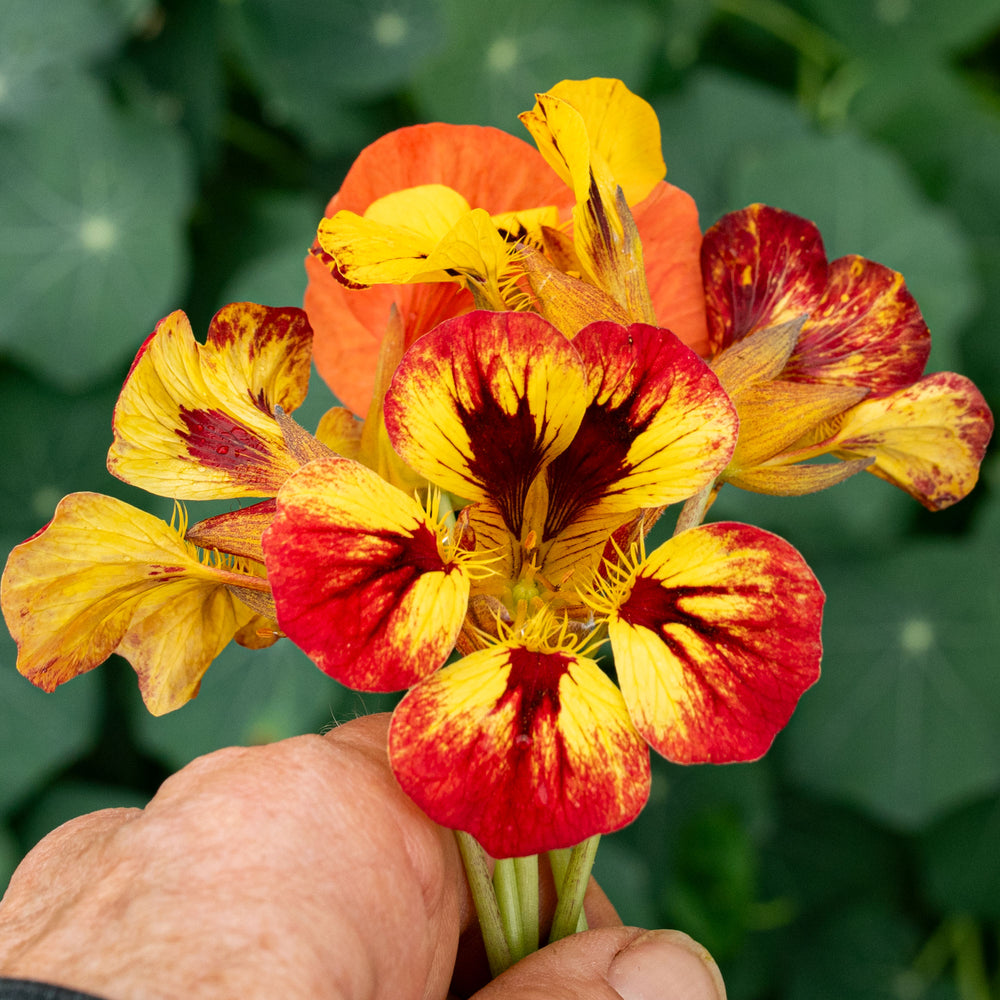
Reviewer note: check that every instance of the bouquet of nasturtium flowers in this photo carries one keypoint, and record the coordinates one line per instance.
(548, 354)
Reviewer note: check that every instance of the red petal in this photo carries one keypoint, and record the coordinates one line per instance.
(358, 579)
(761, 267)
(716, 640)
(527, 751)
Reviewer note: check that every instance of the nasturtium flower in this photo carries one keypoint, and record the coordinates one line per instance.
(474, 216)
(566, 451)
(104, 577)
(826, 359)
(193, 421)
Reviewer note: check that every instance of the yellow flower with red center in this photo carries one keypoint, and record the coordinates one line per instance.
(193, 421)
(566, 450)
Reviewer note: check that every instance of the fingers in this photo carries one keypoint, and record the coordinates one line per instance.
(613, 963)
(298, 869)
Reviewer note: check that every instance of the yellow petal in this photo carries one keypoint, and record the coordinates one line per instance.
(717, 636)
(928, 439)
(196, 421)
(623, 130)
(105, 577)
(483, 402)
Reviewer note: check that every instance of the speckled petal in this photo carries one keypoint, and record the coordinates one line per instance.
(527, 751)
(715, 641)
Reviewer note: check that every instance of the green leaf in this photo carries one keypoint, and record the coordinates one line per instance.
(823, 856)
(914, 27)
(92, 253)
(40, 733)
(960, 864)
(499, 55)
(42, 41)
(860, 954)
(56, 443)
(716, 124)
(309, 59)
(903, 721)
(250, 697)
(864, 201)
(282, 227)
(10, 856)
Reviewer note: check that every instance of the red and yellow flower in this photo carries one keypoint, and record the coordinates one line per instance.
(567, 450)
(193, 421)
(827, 359)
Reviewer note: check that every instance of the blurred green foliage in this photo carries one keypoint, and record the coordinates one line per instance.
(178, 154)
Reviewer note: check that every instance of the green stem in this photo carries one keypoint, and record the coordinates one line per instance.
(487, 908)
(573, 888)
(791, 27)
(505, 884)
(526, 873)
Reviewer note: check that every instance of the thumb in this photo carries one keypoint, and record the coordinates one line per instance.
(613, 963)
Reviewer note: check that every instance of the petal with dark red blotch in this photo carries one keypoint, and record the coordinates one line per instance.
(526, 750)
(349, 323)
(481, 404)
(717, 637)
(928, 439)
(360, 580)
(865, 330)
(658, 427)
(196, 421)
(105, 577)
(761, 267)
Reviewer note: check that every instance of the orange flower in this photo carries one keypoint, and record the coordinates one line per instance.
(583, 131)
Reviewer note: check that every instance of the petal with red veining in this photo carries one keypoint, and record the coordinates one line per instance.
(360, 579)
(481, 404)
(95, 579)
(717, 637)
(657, 429)
(928, 439)
(526, 750)
(865, 330)
(196, 421)
(761, 267)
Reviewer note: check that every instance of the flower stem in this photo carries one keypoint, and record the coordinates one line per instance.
(572, 888)
(487, 908)
(526, 872)
(505, 884)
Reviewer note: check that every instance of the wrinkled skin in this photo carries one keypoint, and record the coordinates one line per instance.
(297, 870)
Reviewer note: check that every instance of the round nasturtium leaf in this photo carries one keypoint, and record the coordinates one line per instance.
(714, 125)
(309, 59)
(94, 203)
(959, 861)
(41, 43)
(40, 734)
(499, 55)
(903, 721)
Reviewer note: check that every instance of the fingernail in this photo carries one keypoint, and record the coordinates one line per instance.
(665, 965)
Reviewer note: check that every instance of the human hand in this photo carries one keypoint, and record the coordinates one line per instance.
(297, 870)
